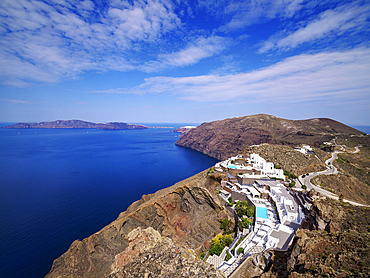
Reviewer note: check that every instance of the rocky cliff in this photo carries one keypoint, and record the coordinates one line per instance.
(189, 213)
(150, 255)
(222, 139)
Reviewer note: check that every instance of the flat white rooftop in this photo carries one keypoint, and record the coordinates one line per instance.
(253, 190)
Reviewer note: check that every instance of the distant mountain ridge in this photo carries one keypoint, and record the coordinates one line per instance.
(77, 124)
(222, 139)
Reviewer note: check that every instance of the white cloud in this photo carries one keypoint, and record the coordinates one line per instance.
(245, 13)
(199, 49)
(329, 75)
(347, 18)
(111, 91)
(49, 41)
(18, 101)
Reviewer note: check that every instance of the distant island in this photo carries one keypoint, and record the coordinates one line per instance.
(78, 124)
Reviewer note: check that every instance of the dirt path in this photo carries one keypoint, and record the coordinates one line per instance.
(306, 179)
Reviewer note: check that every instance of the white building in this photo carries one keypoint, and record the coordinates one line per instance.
(305, 149)
(254, 167)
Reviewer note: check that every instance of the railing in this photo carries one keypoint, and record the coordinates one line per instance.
(235, 240)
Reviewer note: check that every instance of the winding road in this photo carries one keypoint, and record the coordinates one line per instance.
(331, 170)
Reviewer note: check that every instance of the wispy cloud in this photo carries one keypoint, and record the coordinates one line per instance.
(16, 101)
(110, 91)
(348, 18)
(245, 13)
(199, 49)
(50, 41)
(328, 75)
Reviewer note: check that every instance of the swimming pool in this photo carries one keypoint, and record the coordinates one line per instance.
(232, 167)
(262, 212)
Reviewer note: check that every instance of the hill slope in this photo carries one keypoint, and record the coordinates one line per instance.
(222, 139)
(188, 212)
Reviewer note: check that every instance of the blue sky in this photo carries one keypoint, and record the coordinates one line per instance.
(184, 61)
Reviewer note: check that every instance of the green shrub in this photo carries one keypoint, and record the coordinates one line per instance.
(211, 170)
(227, 240)
(240, 250)
(244, 223)
(242, 208)
(218, 244)
(230, 202)
(341, 197)
(286, 173)
(225, 224)
(228, 257)
(202, 255)
(216, 249)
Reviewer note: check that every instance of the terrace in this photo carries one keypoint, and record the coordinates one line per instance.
(273, 227)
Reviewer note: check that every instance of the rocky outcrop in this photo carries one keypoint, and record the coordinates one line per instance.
(139, 241)
(223, 139)
(188, 212)
(334, 241)
(76, 124)
(254, 266)
(184, 129)
(163, 259)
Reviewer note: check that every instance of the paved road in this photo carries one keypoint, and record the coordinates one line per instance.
(331, 170)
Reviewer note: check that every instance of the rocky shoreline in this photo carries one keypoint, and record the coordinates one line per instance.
(189, 213)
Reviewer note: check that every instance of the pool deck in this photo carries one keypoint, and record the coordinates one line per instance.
(261, 212)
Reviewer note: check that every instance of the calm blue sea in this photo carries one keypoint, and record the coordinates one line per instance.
(362, 128)
(59, 185)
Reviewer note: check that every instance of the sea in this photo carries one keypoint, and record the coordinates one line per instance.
(60, 185)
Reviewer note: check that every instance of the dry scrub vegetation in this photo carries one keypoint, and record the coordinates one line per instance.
(289, 159)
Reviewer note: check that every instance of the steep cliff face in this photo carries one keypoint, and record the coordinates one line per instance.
(188, 212)
(222, 139)
(150, 255)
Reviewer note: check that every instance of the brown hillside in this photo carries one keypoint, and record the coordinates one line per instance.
(222, 139)
(353, 182)
(188, 212)
(287, 158)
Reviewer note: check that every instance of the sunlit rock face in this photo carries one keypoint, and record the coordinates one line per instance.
(226, 138)
(188, 213)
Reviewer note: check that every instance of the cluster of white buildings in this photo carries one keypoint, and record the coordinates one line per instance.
(277, 215)
(305, 149)
(254, 167)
